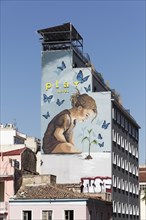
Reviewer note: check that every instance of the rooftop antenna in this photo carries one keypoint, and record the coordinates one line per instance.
(15, 123)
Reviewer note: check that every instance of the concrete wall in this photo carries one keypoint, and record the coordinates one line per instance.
(7, 136)
(38, 179)
(71, 168)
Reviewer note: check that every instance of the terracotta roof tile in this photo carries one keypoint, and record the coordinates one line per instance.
(50, 192)
(12, 152)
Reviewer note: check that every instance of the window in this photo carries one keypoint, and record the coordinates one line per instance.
(130, 148)
(114, 135)
(122, 142)
(122, 184)
(118, 183)
(126, 125)
(47, 215)
(130, 129)
(114, 207)
(126, 165)
(122, 163)
(127, 211)
(133, 132)
(129, 167)
(114, 113)
(16, 164)
(130, 187)
(134, 170)
(136, 153)
(114, 181)
(114, 158)
(118, 117)
(27, 215)
(133, 186)
(119, 207)
(136, 134)
(122, 121)
(69, 215)
(18, 140)
(126, 145)
(133, 207)
(118, 139)
(126, 186)
(118, 161)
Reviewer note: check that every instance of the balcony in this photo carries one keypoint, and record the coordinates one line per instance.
(3, 207)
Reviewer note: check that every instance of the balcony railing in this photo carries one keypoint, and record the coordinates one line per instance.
(3, 207)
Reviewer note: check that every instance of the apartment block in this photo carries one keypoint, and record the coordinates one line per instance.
(91, 151)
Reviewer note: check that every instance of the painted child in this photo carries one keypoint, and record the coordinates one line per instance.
(58, 137)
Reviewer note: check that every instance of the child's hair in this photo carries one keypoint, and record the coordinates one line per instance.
(85, 101)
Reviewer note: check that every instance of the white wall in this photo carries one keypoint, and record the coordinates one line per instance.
(32, 143)
(58, 208)
(70, 168)
(7, 136)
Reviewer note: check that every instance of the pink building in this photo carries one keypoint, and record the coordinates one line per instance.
(13, 164)
(53, 201)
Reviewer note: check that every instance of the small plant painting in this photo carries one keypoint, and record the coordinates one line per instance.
(90, 142)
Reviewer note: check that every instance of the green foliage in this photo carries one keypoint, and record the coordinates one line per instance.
(90, 142)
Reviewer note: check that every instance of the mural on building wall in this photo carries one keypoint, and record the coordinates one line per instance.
(73, 119)
(98, 184)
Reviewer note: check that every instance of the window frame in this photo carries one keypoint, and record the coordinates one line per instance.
(48, 215)
(67, 214)
(27, 212)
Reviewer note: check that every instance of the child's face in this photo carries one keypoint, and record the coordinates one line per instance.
(84, 114)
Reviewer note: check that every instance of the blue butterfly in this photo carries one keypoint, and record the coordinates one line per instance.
(87, 89)
(58, 102)
(101, 144)
(62, 67)
(99, 136)
(46, 116)
(80, 77)
(105, 125)
(47, 98)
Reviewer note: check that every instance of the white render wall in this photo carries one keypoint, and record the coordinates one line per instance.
(32, 143)
(58, 208)
(7, 136)
(70, 168)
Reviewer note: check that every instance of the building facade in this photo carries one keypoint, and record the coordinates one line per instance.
(108, 145)
(15, 160)
(13, 165)
(41, 198)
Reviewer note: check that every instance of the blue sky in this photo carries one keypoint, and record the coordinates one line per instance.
(114, 37)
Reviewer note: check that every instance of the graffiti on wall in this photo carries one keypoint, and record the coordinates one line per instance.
(98, 184)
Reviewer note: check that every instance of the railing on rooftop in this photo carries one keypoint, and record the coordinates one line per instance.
(3, 207)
